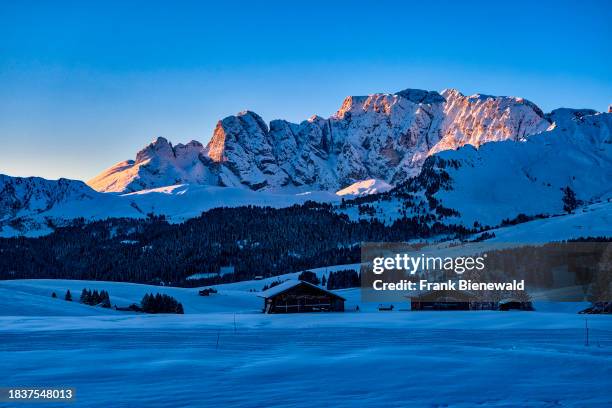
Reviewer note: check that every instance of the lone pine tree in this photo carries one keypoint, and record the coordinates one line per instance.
(569, 200)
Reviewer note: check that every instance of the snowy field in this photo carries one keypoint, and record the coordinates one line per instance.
(224, 352)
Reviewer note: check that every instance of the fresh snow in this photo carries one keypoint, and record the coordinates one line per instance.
(178, 203)
(497, 181)
(225, 352)
(286, 285)
(590, 221)
(501, 180)
(186, 201)
(364, 187)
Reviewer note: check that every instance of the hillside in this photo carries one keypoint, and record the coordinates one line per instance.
(504, 171)
(501, 180)
(34, 206)
(145, 250)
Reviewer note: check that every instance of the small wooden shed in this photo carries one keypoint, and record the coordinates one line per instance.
(515, 304)
(442, 300)
(295, 296)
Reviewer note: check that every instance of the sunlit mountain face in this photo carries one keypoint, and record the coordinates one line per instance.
(381, 136)
(432, 157)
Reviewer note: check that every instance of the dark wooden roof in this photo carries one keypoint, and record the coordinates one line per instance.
(290, 284)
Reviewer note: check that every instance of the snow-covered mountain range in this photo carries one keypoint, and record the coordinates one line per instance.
(380, 136)
(503, 179)
(37, 195)
(33, 206)
(454, 159)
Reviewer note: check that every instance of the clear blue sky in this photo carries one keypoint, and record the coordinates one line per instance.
(84, 85)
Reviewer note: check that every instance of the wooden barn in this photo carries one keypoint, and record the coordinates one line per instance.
(296, 296)
(515, 304)
(442, 300)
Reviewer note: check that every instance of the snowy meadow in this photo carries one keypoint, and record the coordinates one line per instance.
(224, 352)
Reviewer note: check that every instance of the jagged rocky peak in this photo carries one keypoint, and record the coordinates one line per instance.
(479, 118)
(350, 104)
(216, 146)
(511, 178)
(380, 136)
(421, 96)
(235, 129)
(158, 164)
(194, 144)
(241, 144)
(505, 102)
(164, 148)
(382, 103)
(159, 146)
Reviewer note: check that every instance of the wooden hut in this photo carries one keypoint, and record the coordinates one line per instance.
(442, 300)
(295, 296)
(515, 304)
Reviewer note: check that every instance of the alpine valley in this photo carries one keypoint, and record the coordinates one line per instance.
(412, 164)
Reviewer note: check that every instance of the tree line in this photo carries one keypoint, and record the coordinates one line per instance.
(256, 240)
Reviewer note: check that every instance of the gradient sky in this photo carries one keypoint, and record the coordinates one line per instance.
(84, 85)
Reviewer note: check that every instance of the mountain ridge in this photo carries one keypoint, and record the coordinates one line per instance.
(379, 136)
(520, 173)
(504, 179)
